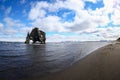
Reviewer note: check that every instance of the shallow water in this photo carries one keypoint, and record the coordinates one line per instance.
(18, 60)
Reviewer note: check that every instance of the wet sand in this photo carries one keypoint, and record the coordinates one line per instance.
(102, 64)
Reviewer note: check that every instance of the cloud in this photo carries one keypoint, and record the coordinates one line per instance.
(83, 19)
(55, 38)
(116, 17)
(37, 11)
(14, 30)
(9, 31)
(24, 30)
(8, 10)
(22, 1)
(45, 15)
(12, 23)
(54, 22)
(1, 25)
(60, 38)
(89, 24)
(12, 39)
(109, 33)
(50, 23)
(82, 37)
(80, 26)
(12, 26)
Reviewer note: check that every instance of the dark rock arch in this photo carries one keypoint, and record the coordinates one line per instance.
(36, 35)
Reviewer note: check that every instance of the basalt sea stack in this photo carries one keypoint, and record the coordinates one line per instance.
(36, 35)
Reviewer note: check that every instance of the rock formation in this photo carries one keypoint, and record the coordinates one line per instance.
(118, 39)
(36, 35)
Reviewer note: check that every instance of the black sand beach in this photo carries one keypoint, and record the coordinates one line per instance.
(102, 64)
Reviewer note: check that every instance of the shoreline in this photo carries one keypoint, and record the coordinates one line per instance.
(102, 64)
(47, 59)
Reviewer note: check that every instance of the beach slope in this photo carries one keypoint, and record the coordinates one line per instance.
(102, 64)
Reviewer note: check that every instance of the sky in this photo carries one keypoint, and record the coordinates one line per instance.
(62, 20)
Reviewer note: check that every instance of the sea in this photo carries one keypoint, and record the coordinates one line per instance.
(19, 60)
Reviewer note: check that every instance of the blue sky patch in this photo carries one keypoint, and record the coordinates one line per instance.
(66, 14)
(93, 6)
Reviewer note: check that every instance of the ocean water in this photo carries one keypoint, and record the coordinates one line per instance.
(19, 60)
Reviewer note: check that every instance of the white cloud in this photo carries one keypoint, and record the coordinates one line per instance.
(1, 25)
(26, 29)
(12, 23)
(55, 38)
(50, 23)
(53, 23)
(8, 10)
(37, 11)
(110, 33)
(12, 26)
(10, 39)
(84, 20)
(13, 29)
(116, 17)
(60, 38)
(9, 31)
